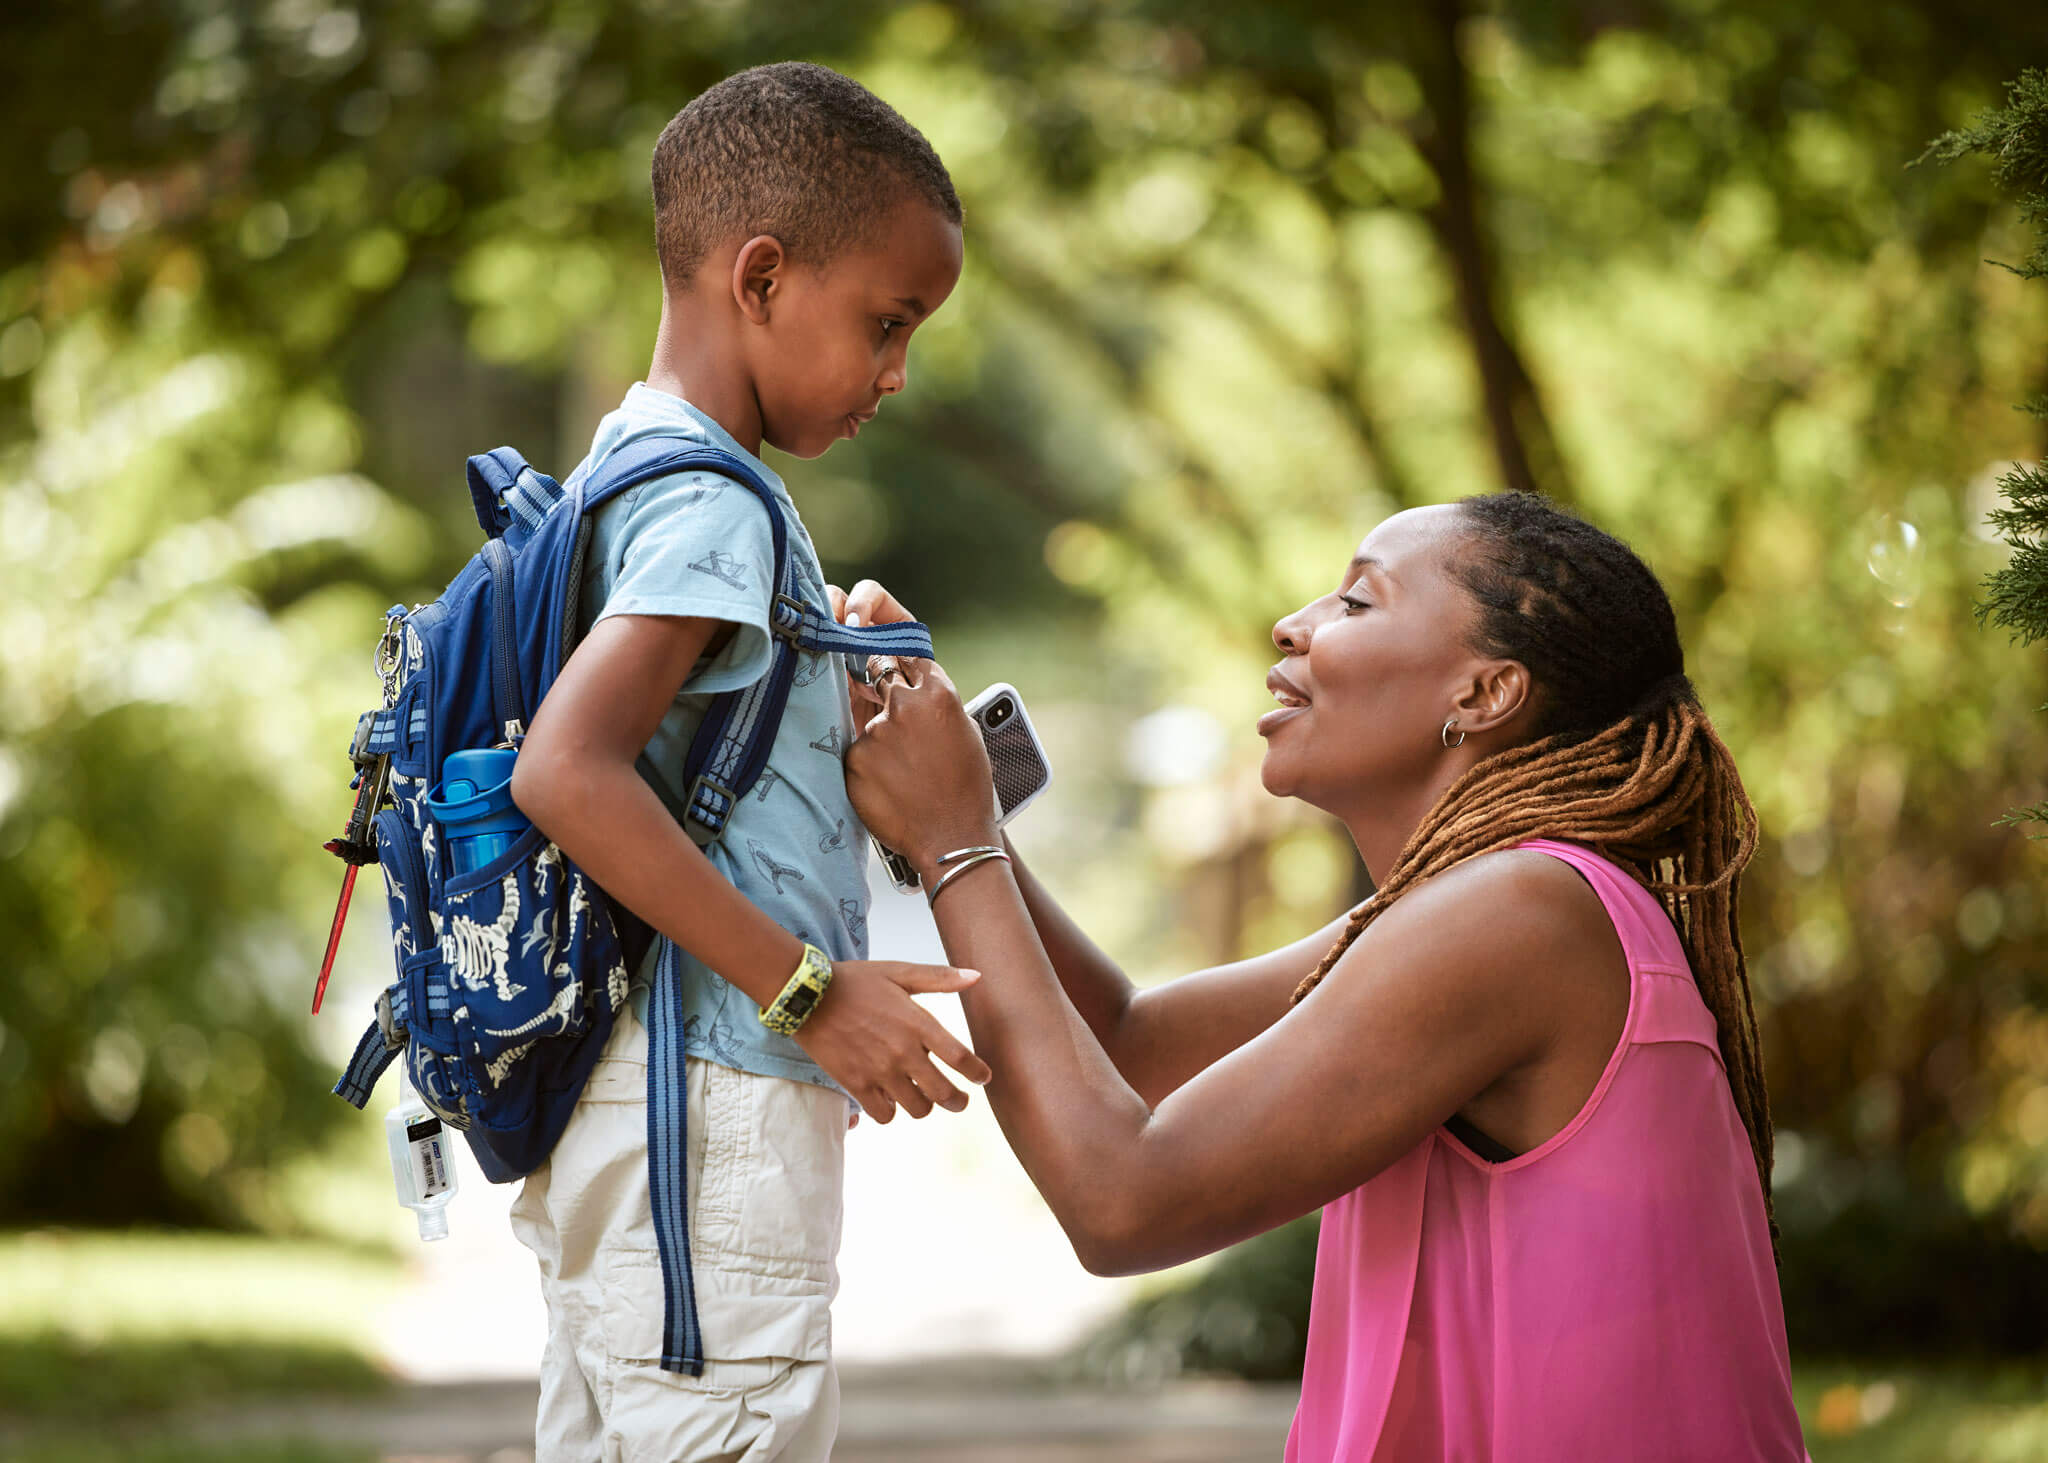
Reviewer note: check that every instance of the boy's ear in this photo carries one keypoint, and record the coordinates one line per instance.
(757, 276)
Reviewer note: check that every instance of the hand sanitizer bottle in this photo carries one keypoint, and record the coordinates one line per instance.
(420, 1161)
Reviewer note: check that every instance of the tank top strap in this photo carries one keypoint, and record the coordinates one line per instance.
(1664, 1000)
(1647, 936)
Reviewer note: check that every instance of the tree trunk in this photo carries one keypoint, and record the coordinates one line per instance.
(1515, 419)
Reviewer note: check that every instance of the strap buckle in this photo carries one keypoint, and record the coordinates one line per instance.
(388, 1023)
(791, 628)
(359, 751)
(695, 816)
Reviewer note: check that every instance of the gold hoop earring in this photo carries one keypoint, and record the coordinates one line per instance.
(1446, 734)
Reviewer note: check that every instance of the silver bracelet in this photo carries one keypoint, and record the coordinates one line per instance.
(960, 853)
(968, 858)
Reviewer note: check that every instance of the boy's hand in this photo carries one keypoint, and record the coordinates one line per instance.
(878, 1044)
(868, 604)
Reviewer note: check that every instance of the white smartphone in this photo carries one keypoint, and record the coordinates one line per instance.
(1016, 759)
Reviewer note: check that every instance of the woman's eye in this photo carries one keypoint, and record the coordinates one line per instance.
(890, 325)
(1351, 604)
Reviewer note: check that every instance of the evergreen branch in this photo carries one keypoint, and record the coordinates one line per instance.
(2024, 518)
(2015, 139)
(2016, 597)
(2020, 817)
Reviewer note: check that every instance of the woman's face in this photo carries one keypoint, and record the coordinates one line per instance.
(1370, 672)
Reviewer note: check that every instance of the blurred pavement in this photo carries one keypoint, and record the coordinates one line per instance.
(971, 1413)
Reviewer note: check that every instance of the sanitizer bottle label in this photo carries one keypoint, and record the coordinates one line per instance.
(423, 1142)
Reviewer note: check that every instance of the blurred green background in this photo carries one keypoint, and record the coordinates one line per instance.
(1241, 280)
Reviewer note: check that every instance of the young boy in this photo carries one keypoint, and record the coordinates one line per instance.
(805, 230)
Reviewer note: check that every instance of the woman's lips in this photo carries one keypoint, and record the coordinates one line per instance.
(1291, 700)
(1273, 720)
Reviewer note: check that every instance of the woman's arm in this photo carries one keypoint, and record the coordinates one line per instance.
(1159, 1038)
(1430, 1008)
(1156, 1038)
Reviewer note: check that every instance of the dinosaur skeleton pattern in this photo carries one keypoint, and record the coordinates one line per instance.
(547, 922)
(834, 841)
(568, 995)
(558, 1011)
(546, 864)
(479, 953)
(496, 1068)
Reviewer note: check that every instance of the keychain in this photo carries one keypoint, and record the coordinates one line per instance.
(358, 845)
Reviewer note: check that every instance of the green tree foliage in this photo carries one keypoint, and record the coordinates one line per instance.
(1240, 280)
(2015, 139)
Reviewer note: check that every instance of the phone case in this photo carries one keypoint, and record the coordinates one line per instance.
(1016, 760)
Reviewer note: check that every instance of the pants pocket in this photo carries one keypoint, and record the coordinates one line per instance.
(767, 1162)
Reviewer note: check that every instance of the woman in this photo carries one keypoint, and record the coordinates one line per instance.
(1522, 1080)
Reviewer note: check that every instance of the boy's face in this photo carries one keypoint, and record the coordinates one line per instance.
(837, 337)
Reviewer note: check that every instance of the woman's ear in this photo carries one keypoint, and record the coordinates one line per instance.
(1498, 692)
(757, 276)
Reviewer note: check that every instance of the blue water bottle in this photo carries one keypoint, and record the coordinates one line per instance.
(474, 807)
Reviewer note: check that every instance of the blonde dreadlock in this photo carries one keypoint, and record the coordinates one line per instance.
(1648, 785)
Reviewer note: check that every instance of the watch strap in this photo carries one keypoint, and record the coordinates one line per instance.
(800, 995)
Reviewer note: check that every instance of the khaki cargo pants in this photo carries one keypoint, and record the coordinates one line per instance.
(766, 1163)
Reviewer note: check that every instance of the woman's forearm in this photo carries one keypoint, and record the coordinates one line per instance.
(1162, 1037)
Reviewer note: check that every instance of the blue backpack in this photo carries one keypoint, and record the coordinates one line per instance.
(511, 975)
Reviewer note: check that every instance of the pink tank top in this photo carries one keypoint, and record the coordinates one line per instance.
(1608, 1294)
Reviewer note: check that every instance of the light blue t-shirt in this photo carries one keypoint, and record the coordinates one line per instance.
(698, 543)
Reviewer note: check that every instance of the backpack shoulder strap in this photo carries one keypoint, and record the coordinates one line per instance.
(730, 749)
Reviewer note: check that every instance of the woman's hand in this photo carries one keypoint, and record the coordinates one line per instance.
(868, 604)
(918, 775)
(879, 1045)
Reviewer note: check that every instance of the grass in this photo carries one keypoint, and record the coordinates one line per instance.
(182, 1450)
(103, 1335)
(105, 1287)
(56, 1377)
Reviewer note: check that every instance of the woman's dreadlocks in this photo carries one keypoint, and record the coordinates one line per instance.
(1624, 760)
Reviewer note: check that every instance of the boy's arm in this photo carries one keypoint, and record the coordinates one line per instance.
(575, 778)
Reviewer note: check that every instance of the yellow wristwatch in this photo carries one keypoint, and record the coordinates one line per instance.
(789, 1011)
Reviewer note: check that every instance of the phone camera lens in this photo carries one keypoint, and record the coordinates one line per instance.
(999, 713)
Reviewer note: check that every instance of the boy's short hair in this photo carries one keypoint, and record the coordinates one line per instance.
(793, 150)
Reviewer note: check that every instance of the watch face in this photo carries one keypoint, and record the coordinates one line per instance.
(801, 1001)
